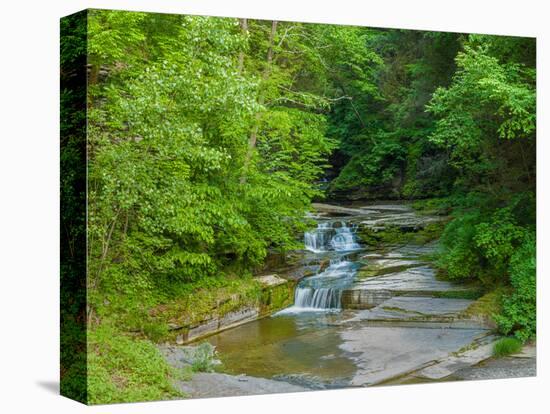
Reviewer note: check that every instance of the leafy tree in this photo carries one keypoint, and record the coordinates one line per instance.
(170, 142)
(392, 94)
(485, 116)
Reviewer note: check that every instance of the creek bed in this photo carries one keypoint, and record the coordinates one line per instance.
(319, 342)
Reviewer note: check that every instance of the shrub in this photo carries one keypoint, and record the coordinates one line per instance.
(126, 369)
(204, 358)
(372, 168)
(518, 316)
(498, 238)
(155, 331)
(437, 206)
(460, 259)
(499, 250)
(506, 346)
(478, 245)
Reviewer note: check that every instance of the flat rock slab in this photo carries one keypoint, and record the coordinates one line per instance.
(414, 323)
(389, 207)
(364, 299)
(380, 314)
(401, 219)
(208, 385)
(528, 351)
(404, 252)
(379, 215)
(382, 353)
(426, 305)
(385, 262)
(418, 279)
(329, 208)
(436, 313)
(453, 363)
(380, 267)
(509, 367)
(411, 250)
(213, 384)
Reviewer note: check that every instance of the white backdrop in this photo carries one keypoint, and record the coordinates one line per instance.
(29, 205)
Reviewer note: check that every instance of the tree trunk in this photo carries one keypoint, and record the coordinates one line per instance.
(244, 28)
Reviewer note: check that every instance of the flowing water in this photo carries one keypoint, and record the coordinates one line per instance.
(324, 290)
(329, 235)
(300, 344)
(317, 344)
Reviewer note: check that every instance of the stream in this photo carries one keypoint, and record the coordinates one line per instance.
(332, 241)
(300, 344)
(345, 329)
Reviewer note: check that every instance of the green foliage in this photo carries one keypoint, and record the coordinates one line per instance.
(124, 369)
(498, 238)
(479, 245)
(433, 206)
(155, 331)
(114, 35)
(486, 112)
(383, 132)
(173, 198)
(204, 357)
(506, 90)
(498, 248)
(519, 307)
(73, 359)
(73, 207)
(396, 235)
(373, 168)
(460, 259)
(202, 155)
(506, 346)
(208, 138)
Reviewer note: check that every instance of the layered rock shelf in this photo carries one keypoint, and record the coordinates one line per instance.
(276, 293)
(369, 309)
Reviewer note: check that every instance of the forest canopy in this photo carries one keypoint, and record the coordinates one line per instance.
(209, 138)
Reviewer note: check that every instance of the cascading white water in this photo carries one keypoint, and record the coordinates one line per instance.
(344, 239)
(324, 290)
(317, 240)
(322, 298)
(328, 237)
(338, 262)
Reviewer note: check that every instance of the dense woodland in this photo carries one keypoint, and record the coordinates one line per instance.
(208, 139)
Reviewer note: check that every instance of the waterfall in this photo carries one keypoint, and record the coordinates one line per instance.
(344, 239)
(329, 237)
(318, 239)
(338, 262)
(323, 298)
(324, 290)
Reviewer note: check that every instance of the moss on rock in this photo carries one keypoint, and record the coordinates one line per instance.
(392, 234)
(207, 311)
(485, 307)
